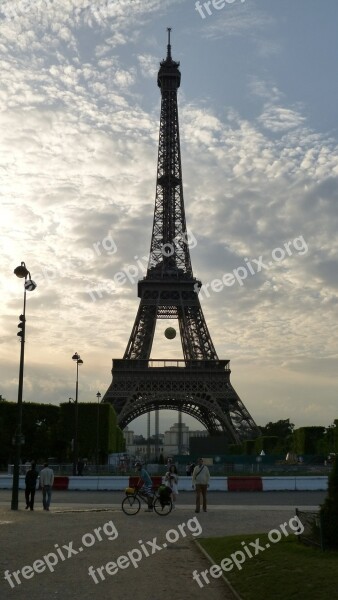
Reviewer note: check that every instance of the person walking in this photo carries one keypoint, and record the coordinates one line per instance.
(30, 481)
(171, 480)
(200, 480)
(46, 481)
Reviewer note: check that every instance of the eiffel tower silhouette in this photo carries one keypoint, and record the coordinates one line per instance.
(199, 384)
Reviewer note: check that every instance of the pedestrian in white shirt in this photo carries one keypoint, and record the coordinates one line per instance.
(46, 481)
(200, 480)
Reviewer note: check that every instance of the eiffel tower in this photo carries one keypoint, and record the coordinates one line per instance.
(199, 385)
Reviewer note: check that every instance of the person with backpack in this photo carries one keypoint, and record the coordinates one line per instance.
(200, 481)
(30, 481)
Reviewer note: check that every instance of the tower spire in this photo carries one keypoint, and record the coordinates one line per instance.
(169, 45)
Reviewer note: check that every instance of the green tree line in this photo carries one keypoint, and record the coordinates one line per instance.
(281, 437)
(48, 431)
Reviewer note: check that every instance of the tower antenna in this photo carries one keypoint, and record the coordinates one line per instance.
(169, 45)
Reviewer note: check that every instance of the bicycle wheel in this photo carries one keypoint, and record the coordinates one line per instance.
(162, 509)
(131, 505)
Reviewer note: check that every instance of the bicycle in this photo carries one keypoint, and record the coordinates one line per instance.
(131, 504)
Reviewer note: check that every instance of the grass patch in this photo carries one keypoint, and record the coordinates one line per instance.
(287, 570)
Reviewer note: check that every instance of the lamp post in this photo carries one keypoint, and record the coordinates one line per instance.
(98, 396)
(72, 401)
(23, 273)
(78, 361)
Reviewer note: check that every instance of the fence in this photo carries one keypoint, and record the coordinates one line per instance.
(313, 528)
(216, 470)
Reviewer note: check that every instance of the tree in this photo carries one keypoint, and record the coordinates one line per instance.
(49, 429)
(282, 432)
(110, 436)
(281, 428)
(329, 510)
(39, 428)
(306, 440)
(267, 443)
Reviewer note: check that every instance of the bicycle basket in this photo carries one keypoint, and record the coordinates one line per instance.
(129, 491)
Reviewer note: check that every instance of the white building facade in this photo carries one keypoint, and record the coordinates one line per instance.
(168, 443)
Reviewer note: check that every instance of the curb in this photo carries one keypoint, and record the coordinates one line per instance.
(82, 510)
(226, 581)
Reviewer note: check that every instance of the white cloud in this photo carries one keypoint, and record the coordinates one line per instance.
(78, 163)
(148, 65)
(279, 119)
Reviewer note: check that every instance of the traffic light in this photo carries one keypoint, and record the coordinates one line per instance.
(21, 326)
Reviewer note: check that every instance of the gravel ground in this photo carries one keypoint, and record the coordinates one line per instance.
(165, 574)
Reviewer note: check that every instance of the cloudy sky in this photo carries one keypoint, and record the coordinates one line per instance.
(79, 117)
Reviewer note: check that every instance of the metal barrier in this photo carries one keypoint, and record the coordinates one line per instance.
(245, 484)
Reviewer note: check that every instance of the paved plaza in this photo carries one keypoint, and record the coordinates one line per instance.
(75, 536)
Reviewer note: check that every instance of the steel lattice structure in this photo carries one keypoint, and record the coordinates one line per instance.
(200, 384)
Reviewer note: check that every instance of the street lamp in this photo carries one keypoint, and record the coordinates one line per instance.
(23, 273)
(72, 401)
(98, 396)
(78, 361)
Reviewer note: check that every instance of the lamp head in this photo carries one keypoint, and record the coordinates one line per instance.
(30, 285)
(21, 271)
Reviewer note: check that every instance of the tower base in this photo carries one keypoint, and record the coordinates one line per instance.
(199, 388)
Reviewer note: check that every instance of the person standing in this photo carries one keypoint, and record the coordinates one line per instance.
(200, 480)
(171, 480)
(30, 481)
(190, 469)
(80, 467)
(46, 481)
